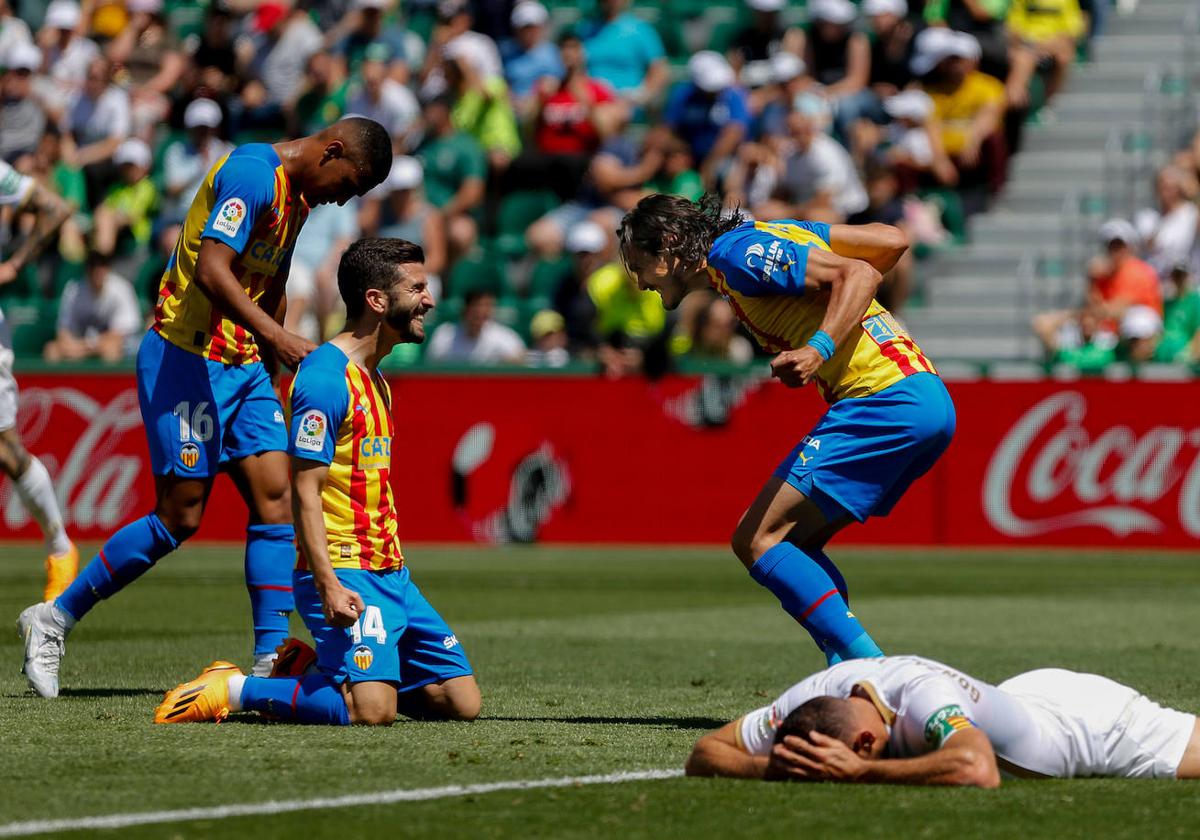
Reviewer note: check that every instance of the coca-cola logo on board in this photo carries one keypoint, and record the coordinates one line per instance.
(1112, 478)
(94, 482)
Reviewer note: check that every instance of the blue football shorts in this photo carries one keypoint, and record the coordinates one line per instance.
(866, 452)
(200, 414)
(399, 638)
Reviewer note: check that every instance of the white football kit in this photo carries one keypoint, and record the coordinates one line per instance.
(14, 190)
(1048, 723)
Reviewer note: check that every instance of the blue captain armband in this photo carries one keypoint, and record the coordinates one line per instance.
(823, 344)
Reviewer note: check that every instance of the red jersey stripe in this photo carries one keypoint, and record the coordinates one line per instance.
(358, 479)
(893, 353)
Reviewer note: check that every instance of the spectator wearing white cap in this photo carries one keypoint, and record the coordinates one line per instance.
(378, 96)
(764, 35)
(1120, 285)
(454, 36)
(710, 112)
(482, 106)
(1001, 56)
(398, 209)
(909, 143)
(98, 317)
(587, 244)
(789, 78)
(626, 52)
(839, 58)
(528, 55)
(187, 160)
(22, 118)
(66, 53)
(129, 206)
(968, 106)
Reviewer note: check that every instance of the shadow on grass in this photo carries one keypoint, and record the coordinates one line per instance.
(676, 722)
(111, 692)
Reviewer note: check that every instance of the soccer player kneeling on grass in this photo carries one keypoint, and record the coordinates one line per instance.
(909, 720)
(380, 647)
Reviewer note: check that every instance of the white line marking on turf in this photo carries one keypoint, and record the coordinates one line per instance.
(383, 797)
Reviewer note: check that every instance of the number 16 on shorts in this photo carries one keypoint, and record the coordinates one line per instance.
(195, 430)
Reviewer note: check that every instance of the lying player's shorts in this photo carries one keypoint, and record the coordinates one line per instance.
(200, 414)
(1093, 726)
(400, 637)
(8, 384)
(865, 452)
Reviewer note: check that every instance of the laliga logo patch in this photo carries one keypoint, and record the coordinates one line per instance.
(189, 455)
(310, 436)
(363, 657)
(229, 217)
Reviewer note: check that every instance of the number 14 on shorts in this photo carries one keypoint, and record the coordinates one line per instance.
(370, 623)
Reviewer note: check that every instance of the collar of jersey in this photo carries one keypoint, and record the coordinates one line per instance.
(885, 711)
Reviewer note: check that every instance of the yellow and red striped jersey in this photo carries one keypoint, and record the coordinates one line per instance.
(341, 414)
(759, 268)
(247, 203)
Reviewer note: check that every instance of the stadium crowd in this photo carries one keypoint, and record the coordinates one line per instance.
(1141, 303)
(522, 132)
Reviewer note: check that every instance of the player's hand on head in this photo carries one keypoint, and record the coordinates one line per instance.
(796, 368)
(828, 757)
(291, 349)
(787, 765)
(341, 606)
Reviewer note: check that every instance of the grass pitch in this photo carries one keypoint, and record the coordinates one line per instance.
(591, 661)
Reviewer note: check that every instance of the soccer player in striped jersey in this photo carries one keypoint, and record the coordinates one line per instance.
(806, 291)
(205, 374)
(910, 720)
(380, 646)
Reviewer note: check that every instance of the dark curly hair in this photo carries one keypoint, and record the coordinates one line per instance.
(669, 223)
(372, 263)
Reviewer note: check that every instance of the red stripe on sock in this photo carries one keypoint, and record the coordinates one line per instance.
(104, 560)
(270, 586)
(295, 692)
(816, 604)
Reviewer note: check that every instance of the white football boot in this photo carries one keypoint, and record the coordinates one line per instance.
(45, 644)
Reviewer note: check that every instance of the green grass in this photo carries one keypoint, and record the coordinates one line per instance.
(592, 661)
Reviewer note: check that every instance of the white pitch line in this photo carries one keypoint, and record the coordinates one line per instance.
(383, 797)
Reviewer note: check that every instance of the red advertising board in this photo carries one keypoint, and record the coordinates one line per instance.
(579, 459)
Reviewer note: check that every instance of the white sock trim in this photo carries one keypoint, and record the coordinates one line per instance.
(236, 682)
(36, 492)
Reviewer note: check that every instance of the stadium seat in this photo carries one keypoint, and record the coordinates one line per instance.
(546, 276)
(476, 272)
(517, 212)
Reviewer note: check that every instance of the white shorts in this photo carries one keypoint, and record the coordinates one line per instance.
(8, 387)
(1094, 726)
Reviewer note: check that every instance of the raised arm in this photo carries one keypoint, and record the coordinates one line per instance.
(880, 245)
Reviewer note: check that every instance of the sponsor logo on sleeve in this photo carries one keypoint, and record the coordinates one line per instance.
(945, 722)
(229, 217)
(312, 431)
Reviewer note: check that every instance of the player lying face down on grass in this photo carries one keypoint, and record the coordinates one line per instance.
(380, 647)
(805, 291)
(909, 720)
(204, 375)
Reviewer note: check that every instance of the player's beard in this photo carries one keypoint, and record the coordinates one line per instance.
(404, 324)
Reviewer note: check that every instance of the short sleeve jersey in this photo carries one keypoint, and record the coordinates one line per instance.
(923, 702)
(246, 202)
(341, 415)
(759, 268)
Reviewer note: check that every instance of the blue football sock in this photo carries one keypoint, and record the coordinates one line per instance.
(810, 596)
(310, 699)
(819, 557)
(270, 557)
(128, 554)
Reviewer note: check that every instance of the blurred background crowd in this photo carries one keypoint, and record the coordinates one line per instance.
(523, 130)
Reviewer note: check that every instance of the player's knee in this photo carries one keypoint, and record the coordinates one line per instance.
(466, 706)
(274, 507)
(14, 460)
(373, 716)
(749, 544)
(183, 521)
